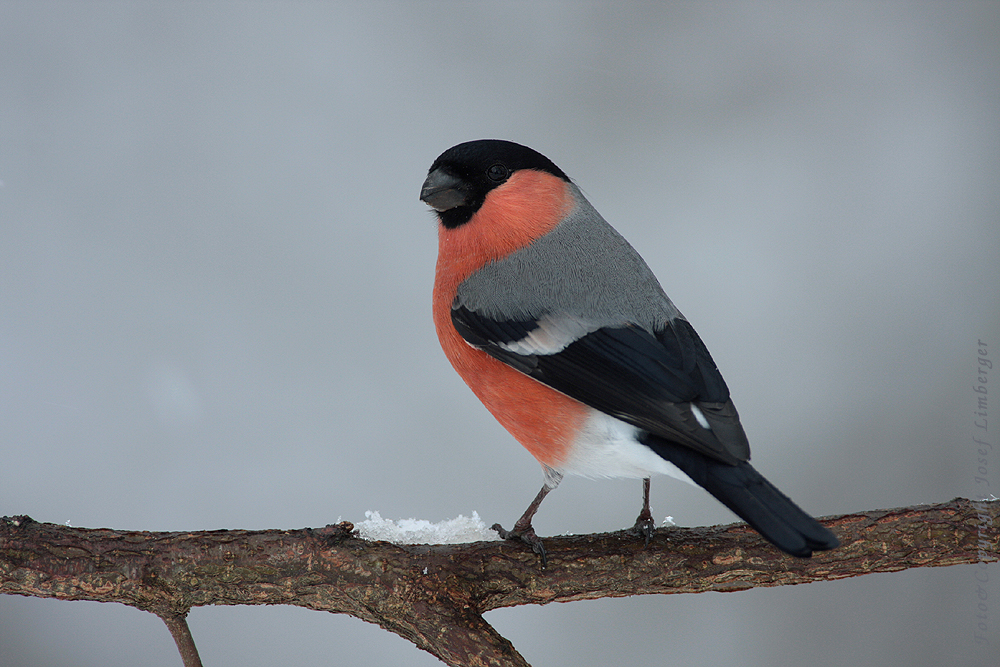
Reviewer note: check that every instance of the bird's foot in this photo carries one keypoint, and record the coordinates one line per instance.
(526, 535)
(644, 527)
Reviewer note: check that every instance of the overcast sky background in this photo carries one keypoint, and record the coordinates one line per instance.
(215, 283)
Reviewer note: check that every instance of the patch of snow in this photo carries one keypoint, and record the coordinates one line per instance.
(459, 530)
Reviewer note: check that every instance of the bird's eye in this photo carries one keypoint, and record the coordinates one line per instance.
(498, 173)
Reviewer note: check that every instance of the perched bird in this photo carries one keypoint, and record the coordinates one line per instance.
(560, 328)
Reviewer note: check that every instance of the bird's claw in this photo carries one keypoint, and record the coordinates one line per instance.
(527, 536)
(644, 527)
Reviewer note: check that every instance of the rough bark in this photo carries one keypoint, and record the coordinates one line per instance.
(435, 595)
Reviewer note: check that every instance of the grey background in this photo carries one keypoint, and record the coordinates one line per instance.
(215, 286)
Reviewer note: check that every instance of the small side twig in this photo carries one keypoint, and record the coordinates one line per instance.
(179, 630)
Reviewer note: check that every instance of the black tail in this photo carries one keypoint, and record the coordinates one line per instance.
(758, 502)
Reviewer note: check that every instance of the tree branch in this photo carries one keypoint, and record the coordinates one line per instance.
(435, 595)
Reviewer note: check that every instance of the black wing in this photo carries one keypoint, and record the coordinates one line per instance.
(646, 379)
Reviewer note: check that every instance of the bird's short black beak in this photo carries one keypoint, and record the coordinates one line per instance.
(442, 191)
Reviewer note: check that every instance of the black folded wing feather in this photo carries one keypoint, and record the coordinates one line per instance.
(646, 379)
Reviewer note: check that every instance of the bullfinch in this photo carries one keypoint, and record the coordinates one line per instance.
(563, 332)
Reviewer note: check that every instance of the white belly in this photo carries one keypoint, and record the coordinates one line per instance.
(607, 447)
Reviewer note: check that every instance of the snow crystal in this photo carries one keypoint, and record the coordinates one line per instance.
(459, 530)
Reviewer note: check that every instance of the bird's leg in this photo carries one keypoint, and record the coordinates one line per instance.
(644, 524)
(522, 528)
